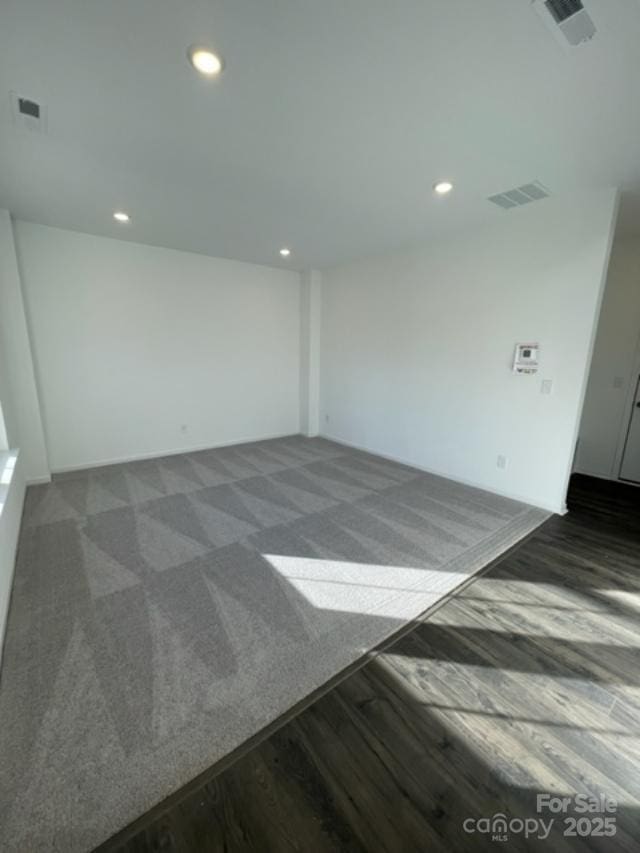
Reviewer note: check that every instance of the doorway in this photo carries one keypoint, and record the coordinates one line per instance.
(630, 466)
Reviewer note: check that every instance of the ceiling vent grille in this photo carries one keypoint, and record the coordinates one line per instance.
(29, 108)
(563, 9)
(520, 195)
(28, 114)
(568, 20)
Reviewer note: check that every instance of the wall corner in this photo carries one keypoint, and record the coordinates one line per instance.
(310, 318)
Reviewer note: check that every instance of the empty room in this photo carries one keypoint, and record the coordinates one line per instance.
(319, 425)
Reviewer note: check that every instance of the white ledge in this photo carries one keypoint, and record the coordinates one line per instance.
(8, 459)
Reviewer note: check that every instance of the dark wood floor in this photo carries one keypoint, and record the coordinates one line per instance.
(526, 682)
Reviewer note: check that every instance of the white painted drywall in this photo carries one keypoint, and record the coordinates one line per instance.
(18, 391)
(12, 489)
(417, 347)
(4, 440)
(310, 316)
(20, 423)
(132, 342)
(615, 366)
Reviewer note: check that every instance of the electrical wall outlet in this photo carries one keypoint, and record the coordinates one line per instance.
(546, 386)
(184, 428)
(502, 462)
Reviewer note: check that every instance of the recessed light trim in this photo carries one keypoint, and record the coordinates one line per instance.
(285, 252)
(121, 216)
(442, 187)
(205, 61)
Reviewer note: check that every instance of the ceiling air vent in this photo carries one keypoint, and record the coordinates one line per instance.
(28, 113)
(520, 195)
(567, 18)
(563, 9)
(29, 108)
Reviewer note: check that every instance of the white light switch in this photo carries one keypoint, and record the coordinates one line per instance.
(546, 386)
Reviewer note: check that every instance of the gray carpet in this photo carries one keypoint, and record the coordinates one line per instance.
(164, 611)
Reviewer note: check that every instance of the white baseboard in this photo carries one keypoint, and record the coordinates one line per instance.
(160, 454)
(556, 510)
(38, 481)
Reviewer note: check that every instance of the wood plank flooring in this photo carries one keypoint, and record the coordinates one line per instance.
(526, 682)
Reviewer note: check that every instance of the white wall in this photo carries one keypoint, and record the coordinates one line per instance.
(615, 366)
(132, 342)
(18, 392)
(12, 489)
(417, 348)
(20, 423)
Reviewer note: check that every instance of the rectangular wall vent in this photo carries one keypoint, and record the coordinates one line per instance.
(520, 195)
(568, 20)
(563, 9)
(28, 108)
(28, 113)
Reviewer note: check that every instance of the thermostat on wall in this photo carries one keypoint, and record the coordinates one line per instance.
(526, 358)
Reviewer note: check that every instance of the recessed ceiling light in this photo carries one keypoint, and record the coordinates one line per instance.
(121, 216)
(443, 187)
(205, 61)
(285, 252)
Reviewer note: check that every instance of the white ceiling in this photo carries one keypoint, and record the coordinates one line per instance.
(328, 127)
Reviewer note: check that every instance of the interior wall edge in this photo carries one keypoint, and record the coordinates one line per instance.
(615, 366)
(10, 523)
(310, 354)
(593, 336)
(627, 412)
(22, 405)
